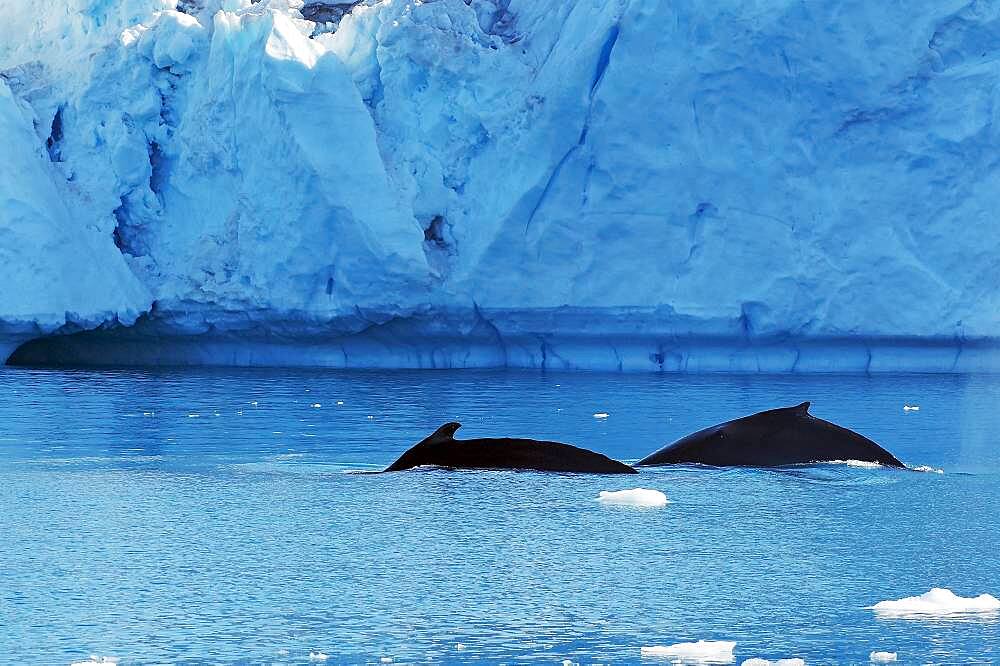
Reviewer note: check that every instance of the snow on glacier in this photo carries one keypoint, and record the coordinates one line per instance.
(682, 186)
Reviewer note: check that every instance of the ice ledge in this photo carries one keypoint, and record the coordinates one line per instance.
(630, 340)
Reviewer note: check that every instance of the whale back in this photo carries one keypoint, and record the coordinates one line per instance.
(443, 450)
(784, 436)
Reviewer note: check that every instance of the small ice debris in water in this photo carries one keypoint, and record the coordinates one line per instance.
(96, 659)
(239, 412)
(252, 403)
(371, 418)
(719, 652)
(386, 660)
(928, 468)
(149, 413)
(315, 405)
(937, 602)
(911, 408)
(633, 497)
(340, 402)
(757, 661)
(193, 415)
(601, 415)
(882, 657)
(568, 662)
(459, 646)
(318, 656)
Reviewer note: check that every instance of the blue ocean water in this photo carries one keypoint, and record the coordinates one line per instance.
(208, 516)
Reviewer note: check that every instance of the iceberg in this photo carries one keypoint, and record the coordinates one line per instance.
(633, 497)
(701, 652)
(938, 602)
(487, 183)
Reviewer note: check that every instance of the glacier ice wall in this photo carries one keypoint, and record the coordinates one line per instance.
(617, 184)
(55, 273)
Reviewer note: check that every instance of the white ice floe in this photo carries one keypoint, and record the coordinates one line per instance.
(633, 497)
(601, 415)
(316, 405)
(459, 646)
(386, 660)
(911, 408)
(928, 468)
(937, 602)
(882, 657)
(757, 661)
(866, 464)
(318, 656)
(96, 660)
(340, 402)
(702, 652)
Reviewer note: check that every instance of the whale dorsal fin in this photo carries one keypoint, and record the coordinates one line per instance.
(445, 432)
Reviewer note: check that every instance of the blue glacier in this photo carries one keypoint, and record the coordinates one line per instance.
(766, 186)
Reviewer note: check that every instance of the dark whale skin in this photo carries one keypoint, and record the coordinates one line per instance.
(786, 436)
(443, 450)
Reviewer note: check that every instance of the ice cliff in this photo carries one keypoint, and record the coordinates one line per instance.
(769, 185)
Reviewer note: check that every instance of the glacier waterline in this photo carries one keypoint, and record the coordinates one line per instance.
(205, 514)
(568, 338)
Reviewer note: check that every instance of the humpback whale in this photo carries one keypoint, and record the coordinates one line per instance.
(786, 436)
(442, 449)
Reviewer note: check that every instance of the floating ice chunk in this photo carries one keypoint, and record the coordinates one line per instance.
(340, 402)
(911, 408)
(601, 415)
(937, 602)
(386, 660)
(252, 403)
(867, 464)
(371, 418)
(96, 659)
(702, 652)
(757, 661)
(315, 405)
(928, 468)
(318, 656)
(633, 497)
(568, 662)
(882, 657)
(459, 646)
(194, 415)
